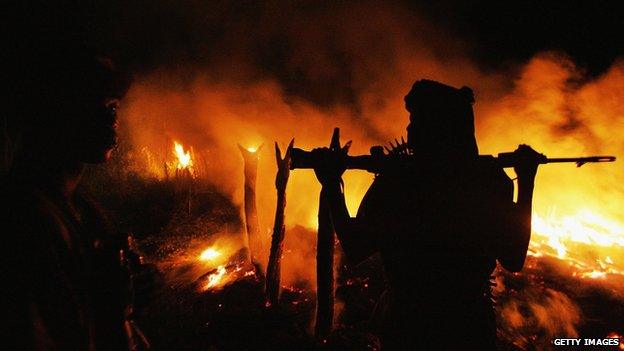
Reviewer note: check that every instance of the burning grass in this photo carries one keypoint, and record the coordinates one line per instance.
(208, 294)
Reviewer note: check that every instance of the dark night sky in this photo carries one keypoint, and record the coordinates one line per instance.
(589, 31)
(151, 34)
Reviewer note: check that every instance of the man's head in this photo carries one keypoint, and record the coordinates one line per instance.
(92, 116)
(441, 120)
(67, 99)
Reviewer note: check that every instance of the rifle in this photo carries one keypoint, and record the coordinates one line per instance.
(378, 160)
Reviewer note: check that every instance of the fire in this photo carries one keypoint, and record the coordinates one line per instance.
(594, 275)
(568, 236)
(585, 227)
(218, 252)
(227, 274)
(209, 254)
(184, 159)
(221, 263)
(215, 278)
(541, 110)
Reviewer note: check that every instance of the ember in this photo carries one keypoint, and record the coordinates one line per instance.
(225, 275)
(215, 278)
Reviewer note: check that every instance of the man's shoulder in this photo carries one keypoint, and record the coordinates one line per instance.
(22, 201)
(492, 179)
(29, 212)
(388, 181)
(490, 170)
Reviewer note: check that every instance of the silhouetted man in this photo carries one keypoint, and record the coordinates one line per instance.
(67, 289)
(440, 222)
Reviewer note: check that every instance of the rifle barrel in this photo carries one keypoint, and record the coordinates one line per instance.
(510, 159)
(376, 162)
(581, 159)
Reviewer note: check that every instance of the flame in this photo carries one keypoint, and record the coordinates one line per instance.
(209, 254)
(214, 279)
(227, 274)
(594, 274)
(220, 263)
(570, 238)
(184, 159)
(584, 227)
(558, 118)
(252, 149)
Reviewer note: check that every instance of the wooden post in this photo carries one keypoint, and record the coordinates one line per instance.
(277, 240)
(325, 258)
(251, 214)
(324, 273)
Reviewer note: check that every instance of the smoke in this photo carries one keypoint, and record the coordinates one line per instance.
(278, 72)
(299, 75)
(559, 111)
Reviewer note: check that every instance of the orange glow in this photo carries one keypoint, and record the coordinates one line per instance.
(543, 104)
(210, 263)
(219, 252)
(584, 227)
(614, 335)
(568, 236)
(225, 275)
(594, 275)
(215, 278)
(184, 159)
(209, 254)
(223, 259)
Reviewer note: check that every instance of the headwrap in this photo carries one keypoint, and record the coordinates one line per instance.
(446, 113)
